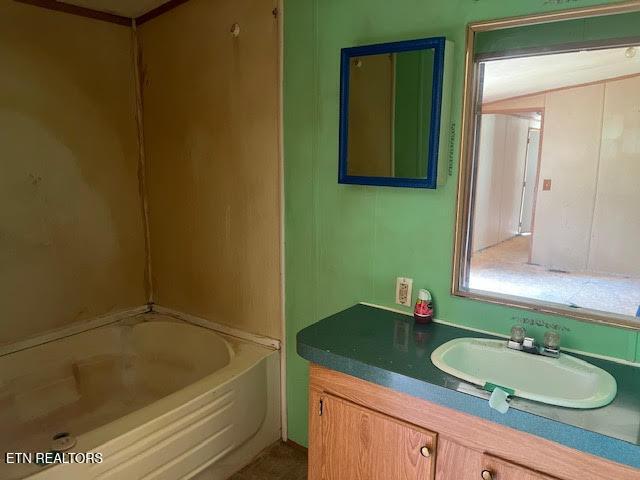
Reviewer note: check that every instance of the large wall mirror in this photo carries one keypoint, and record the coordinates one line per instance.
(391, 100)
(549, 198)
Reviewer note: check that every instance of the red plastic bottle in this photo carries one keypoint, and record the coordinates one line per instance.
(423, 311)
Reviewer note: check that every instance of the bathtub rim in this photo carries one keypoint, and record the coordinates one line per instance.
(247, 356)
(241, 363)
(135, 322)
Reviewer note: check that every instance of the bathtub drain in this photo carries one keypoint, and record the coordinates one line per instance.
(62, 442)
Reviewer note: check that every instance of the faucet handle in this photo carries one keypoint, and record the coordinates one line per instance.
(518, 333)
(552, 340)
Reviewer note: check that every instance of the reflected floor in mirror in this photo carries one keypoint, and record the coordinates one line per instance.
(505, 268)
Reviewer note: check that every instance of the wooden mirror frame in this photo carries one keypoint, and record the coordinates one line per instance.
(465, 172)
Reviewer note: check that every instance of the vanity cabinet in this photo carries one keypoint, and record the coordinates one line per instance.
(359, 430)
(355, 442)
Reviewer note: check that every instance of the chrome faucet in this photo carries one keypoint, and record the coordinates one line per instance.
(519, 341)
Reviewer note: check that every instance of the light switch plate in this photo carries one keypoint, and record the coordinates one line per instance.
(403, 291)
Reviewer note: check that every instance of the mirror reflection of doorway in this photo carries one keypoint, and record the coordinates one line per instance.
(553, 207)
(509, 151)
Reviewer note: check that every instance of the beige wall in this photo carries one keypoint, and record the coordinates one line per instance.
(211, 141)
(616, 221)
(588, 220)
(71, 242)
(570, 151)
(501, 162)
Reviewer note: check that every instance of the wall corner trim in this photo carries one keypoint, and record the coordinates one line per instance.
(73, 329)
(156, 12)
(79, 11)
(218, 327)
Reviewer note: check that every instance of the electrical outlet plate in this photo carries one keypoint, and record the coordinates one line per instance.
(403, 291)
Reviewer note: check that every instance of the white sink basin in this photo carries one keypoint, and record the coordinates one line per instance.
(565, 381)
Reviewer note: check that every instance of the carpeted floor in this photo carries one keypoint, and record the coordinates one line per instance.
(504, 268)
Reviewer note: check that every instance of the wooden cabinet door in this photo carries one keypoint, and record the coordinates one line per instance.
(456, 462)
(350, 442)
(499, 469)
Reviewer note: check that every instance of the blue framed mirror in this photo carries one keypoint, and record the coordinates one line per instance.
(391, 98)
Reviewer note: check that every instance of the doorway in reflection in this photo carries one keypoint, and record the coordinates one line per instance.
(555, 206)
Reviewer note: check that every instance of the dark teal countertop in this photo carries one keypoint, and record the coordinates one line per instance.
(389, 349)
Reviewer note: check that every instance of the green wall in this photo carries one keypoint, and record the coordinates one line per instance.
(413, 95)
(346, 243)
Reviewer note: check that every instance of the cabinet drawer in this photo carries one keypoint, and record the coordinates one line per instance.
(494, 468)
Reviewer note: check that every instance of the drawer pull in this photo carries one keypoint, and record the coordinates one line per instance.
(424, 451)
(486, 475)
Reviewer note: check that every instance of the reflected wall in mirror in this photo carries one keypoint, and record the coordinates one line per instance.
(551, 208)
(391, 102)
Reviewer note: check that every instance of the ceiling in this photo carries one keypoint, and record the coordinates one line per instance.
(522, 76)
(125, 8)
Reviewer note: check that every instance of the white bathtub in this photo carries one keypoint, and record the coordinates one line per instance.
(158, 398)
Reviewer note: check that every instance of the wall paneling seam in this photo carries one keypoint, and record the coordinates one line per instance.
(138, 78)
(594, 203)
(279, 15)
